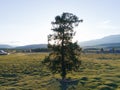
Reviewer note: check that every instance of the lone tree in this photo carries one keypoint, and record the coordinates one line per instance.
(64, 55)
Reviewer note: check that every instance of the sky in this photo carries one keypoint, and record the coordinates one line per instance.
(24, 22)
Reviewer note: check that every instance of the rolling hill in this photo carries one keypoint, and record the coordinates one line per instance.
(112, 41)
(5, 46)
(108, 41)
(33, 46)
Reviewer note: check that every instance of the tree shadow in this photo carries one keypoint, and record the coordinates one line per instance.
(67, 82)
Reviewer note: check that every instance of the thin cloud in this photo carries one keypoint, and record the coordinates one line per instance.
(107, 24)
(14, 41)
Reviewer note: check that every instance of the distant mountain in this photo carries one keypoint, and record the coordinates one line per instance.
(33, 46)
(5, 46)
(109, 45)
(112, 39)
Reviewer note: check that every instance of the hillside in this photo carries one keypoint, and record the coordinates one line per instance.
(108, 40)
(109, 45)
(5, 46)
(33, 46)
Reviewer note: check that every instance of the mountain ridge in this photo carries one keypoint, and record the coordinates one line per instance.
(32, 46)
(105, 40)
(5, 46)
(108, 41)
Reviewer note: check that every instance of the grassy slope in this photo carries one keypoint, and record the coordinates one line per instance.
(25, 72)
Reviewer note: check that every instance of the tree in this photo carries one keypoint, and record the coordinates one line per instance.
(102, 50)
(64, 55)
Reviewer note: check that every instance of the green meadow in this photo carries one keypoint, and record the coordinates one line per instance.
(24, 71)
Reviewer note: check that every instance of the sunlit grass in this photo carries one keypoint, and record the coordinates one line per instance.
(24, 71)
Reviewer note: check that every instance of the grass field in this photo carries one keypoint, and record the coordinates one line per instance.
(25, 72)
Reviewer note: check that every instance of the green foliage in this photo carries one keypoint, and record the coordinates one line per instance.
(65, 53)
(53, 61)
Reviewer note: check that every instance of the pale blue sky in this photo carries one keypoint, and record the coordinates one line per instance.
(25, 22)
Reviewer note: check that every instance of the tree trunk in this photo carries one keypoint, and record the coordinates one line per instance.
(63, 61)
